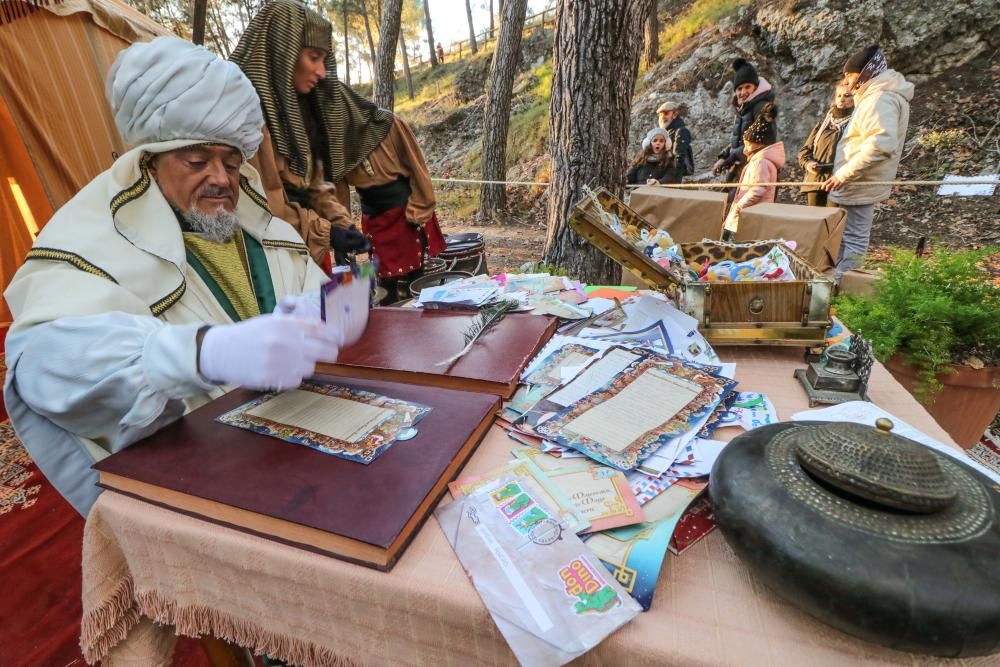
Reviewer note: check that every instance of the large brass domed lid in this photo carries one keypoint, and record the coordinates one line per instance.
(875, 465)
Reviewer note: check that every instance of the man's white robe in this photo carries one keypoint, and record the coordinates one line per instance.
(102, 351)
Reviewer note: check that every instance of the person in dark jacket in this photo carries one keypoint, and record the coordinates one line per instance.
(680, 137)
(818, 152)
(654, 165)
(752, 93)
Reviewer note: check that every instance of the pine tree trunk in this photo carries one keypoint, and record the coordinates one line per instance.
(430, 33)
(652, 54)
(385, 64)
(368, 33)
(472, 29)
(347, 54)
(496, 117)
(406, 64)
(201, 9)
(596, 52)
(492, 34)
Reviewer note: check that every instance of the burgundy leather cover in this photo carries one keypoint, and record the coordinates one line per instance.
(416, 340)
(371, 503)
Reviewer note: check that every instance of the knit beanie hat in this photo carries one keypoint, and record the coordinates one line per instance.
(656, 132)
(744, 73)
(764, 129)
(859, 59)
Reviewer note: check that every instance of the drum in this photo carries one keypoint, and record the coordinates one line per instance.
(433, 265)
(877, 535)
(465, 252)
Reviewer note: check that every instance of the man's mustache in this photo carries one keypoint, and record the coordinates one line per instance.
(215, 191)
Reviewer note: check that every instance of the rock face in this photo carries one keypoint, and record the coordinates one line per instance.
(800, 46)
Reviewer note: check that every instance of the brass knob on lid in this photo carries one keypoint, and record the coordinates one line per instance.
(884, 425)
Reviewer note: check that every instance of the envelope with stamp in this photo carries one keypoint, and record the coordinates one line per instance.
(550, 597)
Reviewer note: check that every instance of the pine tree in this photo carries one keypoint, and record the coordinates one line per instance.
(472, 29)
(594, 67)
(385, 61)
(493, 198)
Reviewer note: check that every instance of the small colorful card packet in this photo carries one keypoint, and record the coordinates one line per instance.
(549, 596)
(350, 423)
(541, 485)
(346, 299)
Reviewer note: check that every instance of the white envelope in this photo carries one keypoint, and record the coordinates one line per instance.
(550, 597)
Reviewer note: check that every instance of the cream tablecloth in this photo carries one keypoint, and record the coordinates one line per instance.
(193, 577)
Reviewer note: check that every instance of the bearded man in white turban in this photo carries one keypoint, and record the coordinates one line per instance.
(165, 282)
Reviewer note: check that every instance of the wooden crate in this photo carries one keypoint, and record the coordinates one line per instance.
(794, 312)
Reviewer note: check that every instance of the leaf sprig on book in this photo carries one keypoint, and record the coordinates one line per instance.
(488, 316)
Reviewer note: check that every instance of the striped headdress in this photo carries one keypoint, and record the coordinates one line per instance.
(268, 52)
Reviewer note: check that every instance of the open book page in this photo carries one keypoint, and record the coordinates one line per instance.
(331, 416)
(595, 376)
(649, 401)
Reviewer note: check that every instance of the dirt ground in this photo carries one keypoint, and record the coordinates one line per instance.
(507, 246)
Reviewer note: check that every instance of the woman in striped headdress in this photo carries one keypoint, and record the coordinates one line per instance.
(322, 137)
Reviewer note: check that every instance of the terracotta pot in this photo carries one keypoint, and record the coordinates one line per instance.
(969, 401)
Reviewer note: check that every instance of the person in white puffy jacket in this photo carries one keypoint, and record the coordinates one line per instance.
(870, 148)
(165, 282)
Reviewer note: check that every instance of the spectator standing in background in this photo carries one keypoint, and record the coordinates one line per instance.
(817, 153)
(752, 93)
(680, 138)
(870, 149)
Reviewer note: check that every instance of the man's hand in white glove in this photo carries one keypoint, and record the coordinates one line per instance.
(270, 352)
(304, 305)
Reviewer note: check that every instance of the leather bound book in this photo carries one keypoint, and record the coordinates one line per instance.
(407, 344)
(290, 493)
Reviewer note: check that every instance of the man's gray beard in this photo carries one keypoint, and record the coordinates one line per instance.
(218, 227)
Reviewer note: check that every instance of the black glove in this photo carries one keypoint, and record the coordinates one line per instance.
(347, 240)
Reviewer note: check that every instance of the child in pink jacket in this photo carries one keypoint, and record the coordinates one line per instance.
(766, 157)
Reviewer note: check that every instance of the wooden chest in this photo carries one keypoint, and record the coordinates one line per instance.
(795, 312)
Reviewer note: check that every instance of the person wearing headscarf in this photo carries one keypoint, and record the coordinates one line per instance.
(654, 164)
(765, 158)
(751, 93)
(870, 150)
(817, 153)
(322, 137)
(165, 281)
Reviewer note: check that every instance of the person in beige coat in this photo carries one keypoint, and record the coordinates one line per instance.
(870, 149)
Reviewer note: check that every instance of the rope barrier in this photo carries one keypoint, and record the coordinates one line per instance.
(474, 181)
(478, 182)
(801, 183)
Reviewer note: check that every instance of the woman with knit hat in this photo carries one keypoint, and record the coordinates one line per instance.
(654, 163)
(752, 92)
(817, 153)
(765, 158)
(322, 137)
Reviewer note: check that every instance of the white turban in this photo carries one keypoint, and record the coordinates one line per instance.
(170, 89)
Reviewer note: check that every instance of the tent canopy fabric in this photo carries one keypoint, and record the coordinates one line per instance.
(56, 128)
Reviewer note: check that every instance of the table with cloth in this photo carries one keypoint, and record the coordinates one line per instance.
(193, 577)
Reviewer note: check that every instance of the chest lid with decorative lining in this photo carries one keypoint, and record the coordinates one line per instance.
(753, 312)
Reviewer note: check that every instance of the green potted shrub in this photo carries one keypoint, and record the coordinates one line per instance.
(935, 322)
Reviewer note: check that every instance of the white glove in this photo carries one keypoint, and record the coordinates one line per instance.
(271, 352)
(305, 306)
